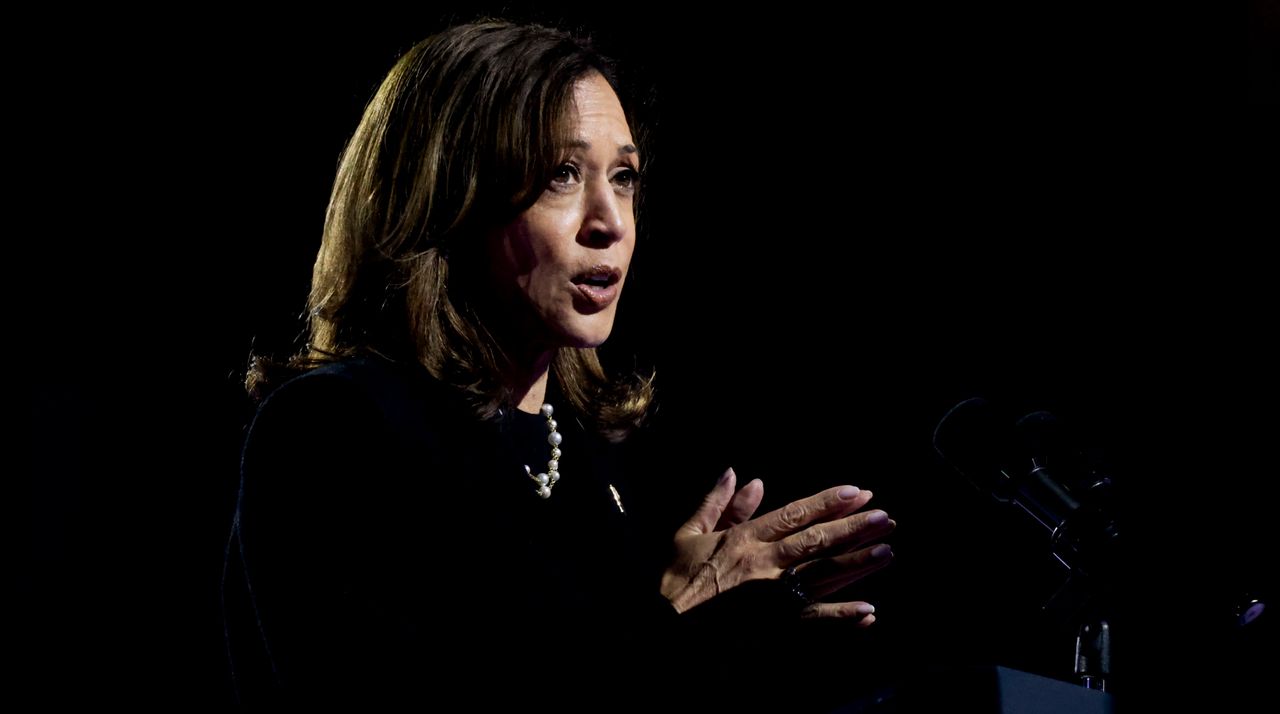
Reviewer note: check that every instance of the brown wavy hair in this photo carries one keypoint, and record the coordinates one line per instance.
(462, 136)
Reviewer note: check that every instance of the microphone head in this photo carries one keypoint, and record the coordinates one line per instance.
(1040, 433)
(971, 439)
(1017, 461)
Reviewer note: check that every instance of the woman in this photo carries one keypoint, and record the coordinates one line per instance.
(438, 493)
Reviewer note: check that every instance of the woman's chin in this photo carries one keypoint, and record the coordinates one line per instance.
(584, 339)
(587, 343)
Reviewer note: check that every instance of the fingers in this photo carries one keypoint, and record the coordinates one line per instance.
(795, 516)
(854, 530)
(743, 506)
(704, 520)
(823, 577)
(861, 611)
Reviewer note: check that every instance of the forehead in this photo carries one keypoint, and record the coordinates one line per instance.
(597, 111)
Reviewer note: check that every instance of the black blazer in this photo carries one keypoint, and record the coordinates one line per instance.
(388, 547)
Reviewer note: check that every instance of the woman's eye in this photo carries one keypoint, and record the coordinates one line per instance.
(565, 174)
(629, 178)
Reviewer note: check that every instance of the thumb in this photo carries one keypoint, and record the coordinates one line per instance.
(708, 514)
(743, 505)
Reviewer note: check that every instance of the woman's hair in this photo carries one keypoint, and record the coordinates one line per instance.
(460, 138)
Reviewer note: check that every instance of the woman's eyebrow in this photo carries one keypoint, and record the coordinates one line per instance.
(583, 144)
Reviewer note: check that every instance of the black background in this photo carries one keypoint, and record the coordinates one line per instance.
(855, 220)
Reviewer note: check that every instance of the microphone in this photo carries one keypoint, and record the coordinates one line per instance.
(1012, 461)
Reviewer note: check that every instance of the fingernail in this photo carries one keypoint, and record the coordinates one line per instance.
(724, 478)
(848, 492)
(876, 518)
(881, 551)
(864, 609)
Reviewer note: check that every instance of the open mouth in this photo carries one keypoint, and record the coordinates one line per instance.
(600, 276)
(597, 285)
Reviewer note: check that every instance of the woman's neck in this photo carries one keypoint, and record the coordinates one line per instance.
(529, 364)
(530, 385)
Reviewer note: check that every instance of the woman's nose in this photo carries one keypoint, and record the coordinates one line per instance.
(604, 216)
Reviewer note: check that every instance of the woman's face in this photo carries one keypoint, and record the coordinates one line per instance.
(565, 259)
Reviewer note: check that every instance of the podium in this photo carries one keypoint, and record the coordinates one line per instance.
(983, 690)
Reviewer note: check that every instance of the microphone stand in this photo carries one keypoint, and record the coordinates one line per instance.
(1083, 541)
(1010, 465)
(1093, 654)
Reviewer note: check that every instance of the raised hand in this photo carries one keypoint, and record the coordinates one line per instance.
(823, 537)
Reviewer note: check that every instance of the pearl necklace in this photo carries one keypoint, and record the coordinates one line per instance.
(546, 480)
